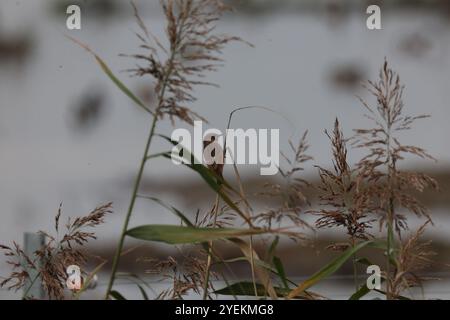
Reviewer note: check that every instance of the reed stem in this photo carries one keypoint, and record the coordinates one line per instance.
(137, 183)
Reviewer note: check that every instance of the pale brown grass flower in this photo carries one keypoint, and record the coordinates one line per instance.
(58, 253)
(193, 49)
(344, 200)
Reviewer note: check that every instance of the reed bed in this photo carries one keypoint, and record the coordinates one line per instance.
(360, 199)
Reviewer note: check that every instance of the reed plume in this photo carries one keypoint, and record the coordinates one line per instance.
(391, 188)
(59, 252)
(344, 200)
(193, 49)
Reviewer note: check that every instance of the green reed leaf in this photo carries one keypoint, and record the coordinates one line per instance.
(174, 210)
(360, 293)
(117, 295)
(248, 289)
(143, 293)
(107, 70)
(329, 269)
(178, 234)
(280, 271)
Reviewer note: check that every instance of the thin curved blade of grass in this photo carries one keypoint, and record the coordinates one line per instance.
(138, 281)
(117, 295)
(121, 85)
(280, 271)
(260, 263)
(277, 270)
(364, 290)
(261, 272)
(396, 297)
(329, 269)
(248, 289)
(179, 235)
(105, 68)
(157, 155)
(238, 109)
(143, 293)
(273, 247)
(174, 210)
(360, 293)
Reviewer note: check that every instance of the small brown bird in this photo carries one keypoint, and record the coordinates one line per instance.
(211, 155)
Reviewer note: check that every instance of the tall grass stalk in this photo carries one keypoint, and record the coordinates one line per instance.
(134, 196)
(192, 50)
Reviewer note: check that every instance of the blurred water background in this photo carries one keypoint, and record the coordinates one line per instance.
(67, 135)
